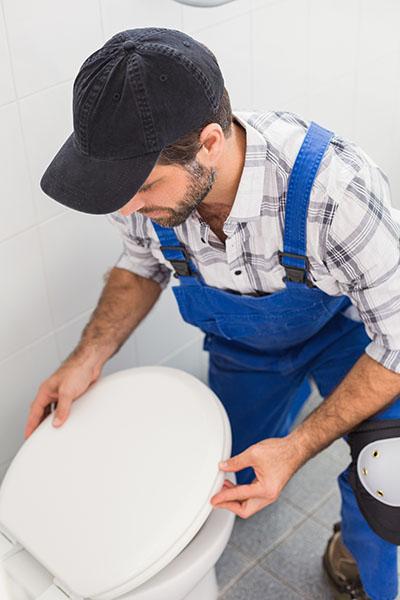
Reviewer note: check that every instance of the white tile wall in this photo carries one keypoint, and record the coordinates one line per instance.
(333, 61)
(196, 18)
(78, 249)
(15, 188)
(163, 331)
(7, 92)
(23, 300)
(46, 122)
(50, 40)
(233, 59)
(119, 15)
(279, 35)
(21, 376)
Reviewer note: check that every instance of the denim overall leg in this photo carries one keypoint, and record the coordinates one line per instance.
(262, 348)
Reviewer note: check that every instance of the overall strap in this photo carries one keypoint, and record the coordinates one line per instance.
(175, 252)
(293, 258)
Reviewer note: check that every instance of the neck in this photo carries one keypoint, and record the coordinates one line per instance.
(220, 199)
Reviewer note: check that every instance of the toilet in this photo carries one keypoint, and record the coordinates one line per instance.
(114, 505)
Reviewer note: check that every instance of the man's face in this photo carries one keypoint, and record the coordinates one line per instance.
(171, 193)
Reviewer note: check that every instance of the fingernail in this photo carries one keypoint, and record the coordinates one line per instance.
(56, 422)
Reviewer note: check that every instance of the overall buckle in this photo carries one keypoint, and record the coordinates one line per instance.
(295, 274)
(180, 265)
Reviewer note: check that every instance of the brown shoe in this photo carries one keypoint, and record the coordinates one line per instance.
(342, 569)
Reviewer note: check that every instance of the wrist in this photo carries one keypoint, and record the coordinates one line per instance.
(302, 448)
(90, 355)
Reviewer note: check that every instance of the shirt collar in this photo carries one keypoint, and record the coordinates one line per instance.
(247, 203)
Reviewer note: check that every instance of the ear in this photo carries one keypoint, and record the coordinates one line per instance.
(212, 142)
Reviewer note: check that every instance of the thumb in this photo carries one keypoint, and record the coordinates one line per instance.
(236, 463)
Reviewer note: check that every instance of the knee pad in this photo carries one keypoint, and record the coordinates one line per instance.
(375, 475)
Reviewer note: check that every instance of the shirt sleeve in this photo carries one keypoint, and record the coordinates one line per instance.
(363, 255)
(137, 256)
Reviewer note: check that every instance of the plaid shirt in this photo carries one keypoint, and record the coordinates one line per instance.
(353, 233)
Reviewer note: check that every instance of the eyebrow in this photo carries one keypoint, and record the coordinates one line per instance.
(146, 186)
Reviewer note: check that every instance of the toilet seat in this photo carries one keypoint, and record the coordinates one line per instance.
(125, 483)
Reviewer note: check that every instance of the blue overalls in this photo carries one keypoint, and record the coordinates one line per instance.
(263, 348)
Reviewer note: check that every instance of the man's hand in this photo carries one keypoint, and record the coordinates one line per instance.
(274, 461)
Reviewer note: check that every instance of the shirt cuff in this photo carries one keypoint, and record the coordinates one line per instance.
(159, 273)
(386, 357)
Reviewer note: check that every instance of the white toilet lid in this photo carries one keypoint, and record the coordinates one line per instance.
(111, 497)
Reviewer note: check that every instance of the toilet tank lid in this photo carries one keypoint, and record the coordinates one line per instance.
(111, 497)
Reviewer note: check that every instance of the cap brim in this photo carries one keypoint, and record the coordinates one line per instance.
(92, 185)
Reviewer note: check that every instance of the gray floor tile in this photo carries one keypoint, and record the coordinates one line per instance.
(339, 452)
(329, 512)
(257, 584)
(298, 561)
(230, 566)
(259, 533)
(315, 480)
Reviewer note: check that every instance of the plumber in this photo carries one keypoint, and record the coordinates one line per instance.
(286, 252)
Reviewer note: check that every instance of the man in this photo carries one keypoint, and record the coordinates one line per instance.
(287, 253)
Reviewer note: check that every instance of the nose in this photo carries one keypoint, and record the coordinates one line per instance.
(132, 206)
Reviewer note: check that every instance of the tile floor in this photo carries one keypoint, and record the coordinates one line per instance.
(276, 554)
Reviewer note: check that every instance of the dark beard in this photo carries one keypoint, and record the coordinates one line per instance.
(201, 182)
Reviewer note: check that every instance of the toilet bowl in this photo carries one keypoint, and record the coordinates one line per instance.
(114, 505)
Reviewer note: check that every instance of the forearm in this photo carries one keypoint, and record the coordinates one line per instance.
(125, 300)
(367, 389)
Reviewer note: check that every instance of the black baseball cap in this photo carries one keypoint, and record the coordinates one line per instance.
(143, 90)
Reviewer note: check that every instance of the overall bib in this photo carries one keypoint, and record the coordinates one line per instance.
(263, 348)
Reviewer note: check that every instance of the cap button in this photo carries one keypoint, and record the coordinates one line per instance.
(128, 45)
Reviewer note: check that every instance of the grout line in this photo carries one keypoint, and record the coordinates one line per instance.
(34, 226)
(286, 583)
(194, 32)
(317, 506)
(257, 561)
(45, 336)
(178, 350)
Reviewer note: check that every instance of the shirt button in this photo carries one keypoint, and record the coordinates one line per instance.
(238, 272)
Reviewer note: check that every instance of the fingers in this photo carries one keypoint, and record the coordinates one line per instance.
(245, 509)
(238, 493)
(63, 408)
(43, 398)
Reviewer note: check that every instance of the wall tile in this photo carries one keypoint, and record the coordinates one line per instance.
(17, 208)
(375, 108)
(163, 331)
(47, 123)
(378, 33)
(333, 105)
(21, 376)
(23, 301)
(234, 59)
(50, 40)
(119, 15)
(279, 52)
(78, 250)
(7, 92)
(188, 359)
(332, 49)
(198, 17)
